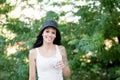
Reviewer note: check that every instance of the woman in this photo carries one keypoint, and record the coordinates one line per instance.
(47, 56)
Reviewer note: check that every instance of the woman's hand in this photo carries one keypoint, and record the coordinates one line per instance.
(59, 65)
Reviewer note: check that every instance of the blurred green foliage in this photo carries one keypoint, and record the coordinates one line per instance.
(89, 56)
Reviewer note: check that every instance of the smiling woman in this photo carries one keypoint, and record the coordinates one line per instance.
(48, 57)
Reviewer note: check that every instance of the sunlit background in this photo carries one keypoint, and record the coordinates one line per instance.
(90, 32)
(38, 10)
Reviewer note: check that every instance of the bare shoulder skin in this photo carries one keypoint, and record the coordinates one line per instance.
(66, 69)
(32, 63)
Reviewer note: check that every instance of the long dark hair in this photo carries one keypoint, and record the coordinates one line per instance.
(39, 40)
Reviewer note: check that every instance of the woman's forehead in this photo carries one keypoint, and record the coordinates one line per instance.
(50, 27)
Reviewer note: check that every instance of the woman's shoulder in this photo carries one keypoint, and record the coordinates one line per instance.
(32, 52)
(62, 50)
(61, 47)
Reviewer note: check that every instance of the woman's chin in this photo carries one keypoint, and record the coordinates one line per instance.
(49, 42)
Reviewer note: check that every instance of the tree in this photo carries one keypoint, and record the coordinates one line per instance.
(99, 22)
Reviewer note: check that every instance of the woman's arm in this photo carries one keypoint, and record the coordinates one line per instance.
(32, 67)
(66, 69)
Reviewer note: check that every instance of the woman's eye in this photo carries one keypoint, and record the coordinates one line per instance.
(47, 31)
(53, 32)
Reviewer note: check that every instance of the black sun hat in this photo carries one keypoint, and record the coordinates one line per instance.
(50, 23)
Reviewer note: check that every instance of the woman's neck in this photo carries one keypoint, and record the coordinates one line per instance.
(48, 45)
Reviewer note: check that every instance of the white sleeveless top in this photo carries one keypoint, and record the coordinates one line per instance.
(46, 66)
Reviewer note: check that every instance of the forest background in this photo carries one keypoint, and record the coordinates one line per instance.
(90, 32)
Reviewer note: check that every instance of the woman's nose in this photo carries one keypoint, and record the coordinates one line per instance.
(50, 34)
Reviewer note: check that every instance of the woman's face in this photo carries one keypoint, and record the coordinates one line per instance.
(49, 34)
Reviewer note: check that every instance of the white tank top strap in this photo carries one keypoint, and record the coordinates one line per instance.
(57, 49)
(37, 50)
(38, 54)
